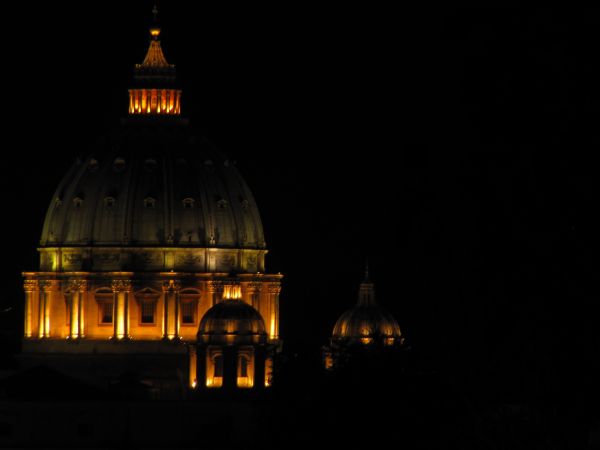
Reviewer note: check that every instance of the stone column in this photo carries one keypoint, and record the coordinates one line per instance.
(215, 289)
(121, 290)
(259, 368)
(45, 302)
(77, 289)
(230, 367)
(32, 294)
(253, 294)
(193, 366)
(171, 290)
(273, 325)
(201, 367)
(41, 311)
(268, 364)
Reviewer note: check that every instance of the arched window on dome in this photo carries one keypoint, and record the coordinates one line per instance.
(188, 203)
(245, 369)
(214, 368)
(93, 165)
(222, 203)
(109, 202)
(119, 164)
(150, 165)
(149, 202)
(78, 202)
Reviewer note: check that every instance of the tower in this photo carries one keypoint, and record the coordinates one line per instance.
(142, 237)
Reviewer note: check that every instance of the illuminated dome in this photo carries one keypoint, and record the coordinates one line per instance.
(147, 188)
(367, 323)
(151, 239)
(232, 319)
(152, 187)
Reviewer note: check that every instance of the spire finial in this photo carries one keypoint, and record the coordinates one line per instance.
(155, 28)
(155, 12)
(366, 292)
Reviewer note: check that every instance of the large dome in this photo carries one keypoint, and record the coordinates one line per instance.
(149, 186)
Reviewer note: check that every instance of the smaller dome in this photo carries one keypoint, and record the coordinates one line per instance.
(367, 323)
(232, 321)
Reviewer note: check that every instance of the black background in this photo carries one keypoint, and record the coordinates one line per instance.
(455, 149)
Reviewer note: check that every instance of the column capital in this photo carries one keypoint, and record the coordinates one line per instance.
(215, 286)
(121, 285)
(31, 285)
(274, 288)
(77, 285)
(252, 287)
(171, 285)
(49, 285)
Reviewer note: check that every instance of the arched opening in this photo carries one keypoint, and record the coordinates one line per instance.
(214, 368)
(245, 370)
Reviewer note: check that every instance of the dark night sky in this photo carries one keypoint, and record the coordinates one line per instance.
(454, 148)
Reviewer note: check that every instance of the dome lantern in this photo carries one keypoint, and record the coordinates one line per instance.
(155, 91)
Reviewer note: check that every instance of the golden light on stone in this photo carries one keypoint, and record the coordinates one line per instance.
(118, 272)
(268, 371)
(232, 292)
(155, 101)
(272, 332)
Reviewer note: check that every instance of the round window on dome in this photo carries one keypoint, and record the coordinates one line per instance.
(93, 165)
(119, 164)
(150, 165)
(109, 202)
(149, 202)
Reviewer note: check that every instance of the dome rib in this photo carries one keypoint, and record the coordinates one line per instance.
(54, 209)
(204, 194)
(127, 222)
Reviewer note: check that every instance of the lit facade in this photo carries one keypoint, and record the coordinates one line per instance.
(141, 239)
